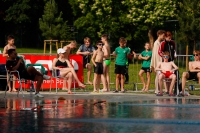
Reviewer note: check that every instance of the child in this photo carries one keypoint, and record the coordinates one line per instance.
(146, 57)
(86, 51)
(155, 59)
(106, 64)
(68, 48)
(97, 60)
(10, 45)
(167, 71)
(120, 64)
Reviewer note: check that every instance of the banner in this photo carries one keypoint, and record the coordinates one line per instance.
(46, 61)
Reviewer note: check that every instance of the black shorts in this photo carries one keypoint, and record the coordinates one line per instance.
(99, 68)
(120, 69)
(193, 75)
(25, 75)
(146, 69)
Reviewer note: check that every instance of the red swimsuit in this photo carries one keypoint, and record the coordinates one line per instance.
(167, 74)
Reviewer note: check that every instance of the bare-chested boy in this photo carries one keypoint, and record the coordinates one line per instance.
(97, 60)
(106, 64)
(10, 45)
(166, 71)
(194, 71)
(68, 48)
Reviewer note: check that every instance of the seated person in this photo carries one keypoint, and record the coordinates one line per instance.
(15, 63)
(65, 69)
(194, 71)
(167, 71)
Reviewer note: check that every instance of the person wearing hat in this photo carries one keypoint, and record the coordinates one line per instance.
(65, 69)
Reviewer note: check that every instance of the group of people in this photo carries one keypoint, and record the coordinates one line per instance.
(159, 60)
(16, 62)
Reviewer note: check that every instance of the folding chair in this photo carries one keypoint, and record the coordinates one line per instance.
(169, 80)
(39, 68)
(10, 78)
(56, 75)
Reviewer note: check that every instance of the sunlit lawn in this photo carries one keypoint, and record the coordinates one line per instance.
(133, 72)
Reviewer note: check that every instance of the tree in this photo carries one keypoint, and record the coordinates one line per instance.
(150, 13)
(102, 17)
(53, 27)
(20, 18)
(189, 19)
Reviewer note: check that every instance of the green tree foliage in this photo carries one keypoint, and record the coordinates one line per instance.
(18, 12)
(20, 18)
(98, 17)
(189, 20)
(127, 18)
(52, 24)
(150, 13)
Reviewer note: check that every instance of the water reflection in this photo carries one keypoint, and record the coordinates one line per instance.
(98, 115)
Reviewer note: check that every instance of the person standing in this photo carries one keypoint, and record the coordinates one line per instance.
(10, 45)
(145, 56)
(86, 51)
(106, 63)
(155, 56)
(97, 60)
(121, 54)
(168, 45)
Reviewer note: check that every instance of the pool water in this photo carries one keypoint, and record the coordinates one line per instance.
(168, 115)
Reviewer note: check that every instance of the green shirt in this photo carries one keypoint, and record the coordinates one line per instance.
(146, 63)
(121, 55)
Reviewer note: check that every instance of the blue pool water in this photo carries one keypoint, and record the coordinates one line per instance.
(168, 115)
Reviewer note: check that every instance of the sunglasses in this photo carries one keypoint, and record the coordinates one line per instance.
(195, 54)
(166, 56)
(100, 44)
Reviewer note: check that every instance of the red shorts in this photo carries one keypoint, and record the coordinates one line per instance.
(167, 74)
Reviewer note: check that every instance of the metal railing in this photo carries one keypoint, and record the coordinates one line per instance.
(134, 68)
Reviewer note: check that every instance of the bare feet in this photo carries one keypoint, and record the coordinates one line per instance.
(143, 88)
(9, 91)
(14, 90)
(64, 89)
(90, 83)
(104, 90)
(69, 92)
(81, 85)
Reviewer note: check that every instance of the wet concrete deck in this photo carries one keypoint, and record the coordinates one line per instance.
(86, 112)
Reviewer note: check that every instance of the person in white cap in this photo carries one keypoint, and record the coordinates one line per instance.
(65, 69)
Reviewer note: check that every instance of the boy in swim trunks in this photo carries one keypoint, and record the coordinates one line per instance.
(97, 60)
(167, 71)
(106, 64)
(145, 56)
(194, 71)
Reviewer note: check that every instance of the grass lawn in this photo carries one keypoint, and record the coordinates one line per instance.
(133, 72)
(32, 50)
